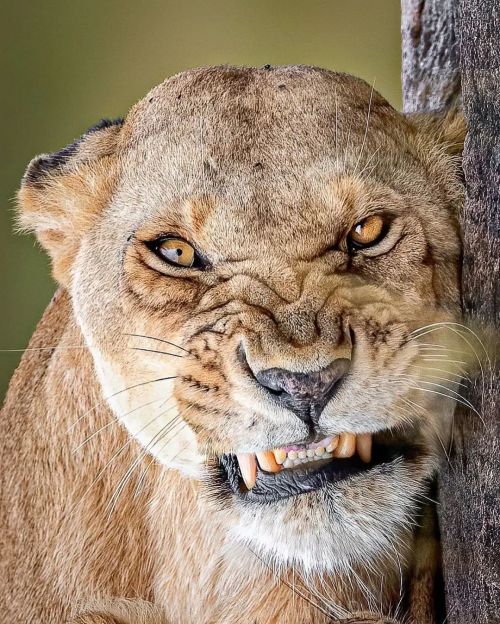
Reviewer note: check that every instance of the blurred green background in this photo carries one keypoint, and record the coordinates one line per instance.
(66, 64)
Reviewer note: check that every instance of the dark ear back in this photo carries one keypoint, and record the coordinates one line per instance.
(62, 193)
(45, 165)
(447, 128)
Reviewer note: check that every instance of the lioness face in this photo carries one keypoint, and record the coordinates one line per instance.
(268, 255)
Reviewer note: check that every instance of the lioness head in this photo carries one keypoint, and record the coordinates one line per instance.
(258, 260)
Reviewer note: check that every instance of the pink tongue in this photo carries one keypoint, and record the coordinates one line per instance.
(313, 445)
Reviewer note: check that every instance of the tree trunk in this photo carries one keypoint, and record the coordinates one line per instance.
(441, 42)
(431, 72)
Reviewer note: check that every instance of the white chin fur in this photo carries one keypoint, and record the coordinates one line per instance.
(357, 522)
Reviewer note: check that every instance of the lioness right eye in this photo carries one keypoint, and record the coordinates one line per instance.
(177, 252)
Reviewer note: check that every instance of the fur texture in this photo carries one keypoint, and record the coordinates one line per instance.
(111, 435)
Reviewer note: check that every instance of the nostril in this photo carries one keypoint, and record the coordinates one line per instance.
(271, 379)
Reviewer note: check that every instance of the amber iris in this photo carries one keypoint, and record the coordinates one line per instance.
(177, 251)
(367, 232)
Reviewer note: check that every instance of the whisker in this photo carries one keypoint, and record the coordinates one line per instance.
(123, 482)
(287, 584)
(47, 348)
(458, 398)
(441, 370)
(179, 423)
(430, 344)
(366, 129)
(442, 358)
(421, 409)
(172, 344)
(458, 328)
(156, 351)
(419, 378)
(144, 383)
(110, 461)
(439, 350)
(372, 155)
(335, 609)
(114, 420)
(152, 459)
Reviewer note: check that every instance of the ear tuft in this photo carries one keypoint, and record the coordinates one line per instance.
(447, 128)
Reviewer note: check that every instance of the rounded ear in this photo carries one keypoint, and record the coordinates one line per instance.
(62, 193)
(447, 128)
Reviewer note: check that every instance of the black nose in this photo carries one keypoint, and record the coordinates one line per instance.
(305, 393)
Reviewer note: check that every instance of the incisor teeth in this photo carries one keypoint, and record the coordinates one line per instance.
(364, 446)
(279, 455)
(267, 461)
(340, 446)
(346, 445)
(248, 468)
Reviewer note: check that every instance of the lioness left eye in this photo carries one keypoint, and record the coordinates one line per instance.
(367, 232)
(176, 251)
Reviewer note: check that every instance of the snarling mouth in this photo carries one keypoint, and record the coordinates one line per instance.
(269, 476)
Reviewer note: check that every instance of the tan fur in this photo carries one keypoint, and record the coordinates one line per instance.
(107, 498)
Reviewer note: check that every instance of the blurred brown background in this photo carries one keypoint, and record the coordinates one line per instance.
(64, 65)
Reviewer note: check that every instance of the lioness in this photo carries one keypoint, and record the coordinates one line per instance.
(234, 405)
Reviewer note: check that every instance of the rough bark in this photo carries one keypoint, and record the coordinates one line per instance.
(431, 74)
(442, 40)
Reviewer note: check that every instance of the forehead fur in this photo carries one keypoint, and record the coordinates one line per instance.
(260, 141)
(259, 120)
(258, 105)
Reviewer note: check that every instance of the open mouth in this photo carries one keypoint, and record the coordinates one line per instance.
(270, 476)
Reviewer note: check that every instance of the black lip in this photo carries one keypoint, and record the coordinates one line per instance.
(271, 488)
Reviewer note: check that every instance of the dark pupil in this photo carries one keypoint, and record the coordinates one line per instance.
(178, 252)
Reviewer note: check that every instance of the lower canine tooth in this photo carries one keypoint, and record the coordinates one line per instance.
(248, 468)
(346, 445)
(267, 461)
(364, 446)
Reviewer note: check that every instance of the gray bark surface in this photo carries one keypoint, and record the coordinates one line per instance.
(441, 42)
(431, 73)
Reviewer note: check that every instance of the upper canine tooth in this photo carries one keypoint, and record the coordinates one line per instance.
(333, 444)
(248, 467)
(364, 446)
(267, 461)
(279, 455)
(346, 445)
